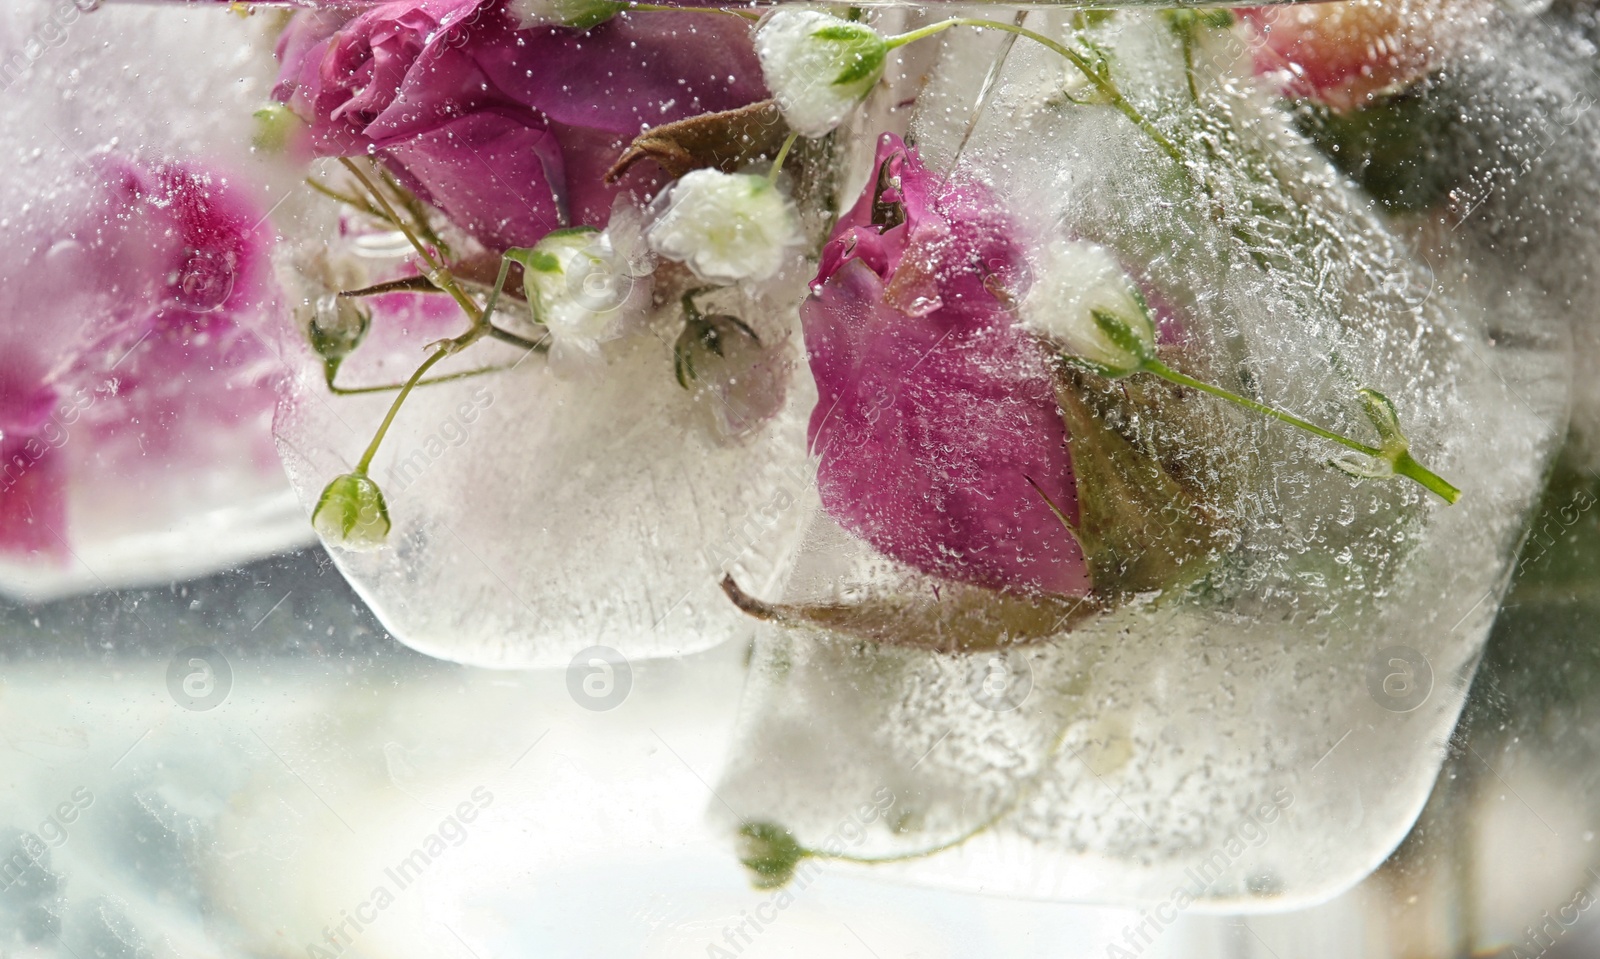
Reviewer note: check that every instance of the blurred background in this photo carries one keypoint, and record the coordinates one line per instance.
(246, 765)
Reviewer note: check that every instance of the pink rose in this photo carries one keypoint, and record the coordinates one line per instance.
(507, 131)
(935, 410)
(128, 370)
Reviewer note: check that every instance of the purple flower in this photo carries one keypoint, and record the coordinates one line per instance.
(127, 370)
(508, 131)
(935, 409)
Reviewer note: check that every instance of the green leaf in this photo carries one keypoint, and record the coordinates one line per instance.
(683, 360)
(867, 64)
(846, 32)
(1121, 334)
(587, 16)
(540, 261)
(1385, 419)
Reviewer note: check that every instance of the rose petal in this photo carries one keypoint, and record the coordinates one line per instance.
(495, 177)
(928, 434)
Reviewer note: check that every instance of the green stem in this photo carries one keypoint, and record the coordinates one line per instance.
(480, 327)
(1188, 38)
(388, 212)
(394, 408)
(438, 274)
(506, 336)
(494, 294)
(976, 831)
(783, 154)
(413, 206)
(356, 202)
(1399, 459)
(1100, 77)
(741, 14)
(1023, 792)
(391, 387)
(1405, 465)
(1173, 376)
(443, 350)
(441, 277)
(1095, 74)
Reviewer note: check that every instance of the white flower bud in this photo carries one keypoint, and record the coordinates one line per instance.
(818, 66)
(727, 227)
(1083, 301)
(578, 14)
(582, 288)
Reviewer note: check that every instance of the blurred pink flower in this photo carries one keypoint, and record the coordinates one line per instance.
(934, 408)
(1345, 55)
(125, 361)
(508, 131)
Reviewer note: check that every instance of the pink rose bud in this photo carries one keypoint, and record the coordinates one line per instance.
(936, 413)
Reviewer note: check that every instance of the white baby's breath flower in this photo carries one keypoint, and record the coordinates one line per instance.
(583, 288)
(727, 227)
(818, 66)
(1083, 301)
(580, 14)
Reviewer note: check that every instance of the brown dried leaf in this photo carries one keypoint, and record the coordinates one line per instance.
(726, 141)
(959, 618)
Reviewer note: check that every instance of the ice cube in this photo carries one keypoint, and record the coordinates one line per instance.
(135, 391)
(1264, 736)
